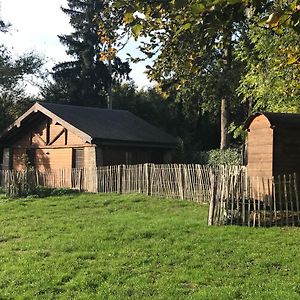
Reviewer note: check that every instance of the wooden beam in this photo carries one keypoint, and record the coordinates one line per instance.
(66, 136)
(48, 131)
(57, 136)
(57, 119)
(36, 134)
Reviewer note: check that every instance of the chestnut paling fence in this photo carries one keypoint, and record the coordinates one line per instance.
(233, 197)
(237, 199)
(175, 181)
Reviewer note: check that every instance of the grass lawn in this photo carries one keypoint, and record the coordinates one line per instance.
(118, 247)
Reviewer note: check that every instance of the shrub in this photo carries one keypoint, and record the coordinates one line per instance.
(42, 192)
(39, 192)
(231, 156)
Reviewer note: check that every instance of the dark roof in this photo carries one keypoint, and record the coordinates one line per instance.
(283, 120)
(100, 125)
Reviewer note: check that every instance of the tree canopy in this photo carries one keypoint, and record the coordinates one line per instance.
(204, 52)
(272, 73)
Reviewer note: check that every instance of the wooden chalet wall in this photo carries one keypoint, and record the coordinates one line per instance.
(273, 144)
(113, 155)
(260, 148)
(56, 136)
(50, 146)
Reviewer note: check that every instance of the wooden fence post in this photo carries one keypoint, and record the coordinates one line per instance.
(146, 182)
(149, 181)
(210, 220)
(81, 179)
(120, 175)
(181, 181)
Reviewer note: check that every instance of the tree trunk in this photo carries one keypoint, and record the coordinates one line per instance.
(250, 106)
(110, 96)
(224, 144)
(227, 58)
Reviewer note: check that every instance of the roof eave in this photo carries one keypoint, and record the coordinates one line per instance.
(250, 119)
(106, 142)
(39, 108)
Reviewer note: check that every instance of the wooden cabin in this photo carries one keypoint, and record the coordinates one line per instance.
(54, 136)
(273, 144)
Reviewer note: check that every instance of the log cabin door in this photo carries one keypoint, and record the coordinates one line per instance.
(78, 164)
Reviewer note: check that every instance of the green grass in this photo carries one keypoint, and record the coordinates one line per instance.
(119, 247)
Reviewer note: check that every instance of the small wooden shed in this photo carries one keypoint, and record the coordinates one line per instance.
(55, 136)
(273, 144)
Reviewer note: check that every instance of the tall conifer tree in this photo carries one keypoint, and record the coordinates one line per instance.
(86, 79)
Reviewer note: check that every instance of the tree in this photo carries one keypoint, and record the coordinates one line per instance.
(85, 80)
(272, 78)
(197, 44)
(13, 76)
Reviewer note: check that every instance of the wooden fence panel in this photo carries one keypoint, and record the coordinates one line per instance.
(108, 179)
(240, 200)
(191, 182)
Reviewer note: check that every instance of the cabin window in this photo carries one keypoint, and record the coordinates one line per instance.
(7, 159)
(78, 158)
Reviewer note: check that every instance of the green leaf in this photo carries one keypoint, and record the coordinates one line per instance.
(273, 19)
(183, 28)
(186, 26)
(292, 60)
(128, 18)
(136, 29)
(278, 30)
(197, 9)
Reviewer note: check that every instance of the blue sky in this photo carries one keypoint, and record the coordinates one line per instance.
(35, 26)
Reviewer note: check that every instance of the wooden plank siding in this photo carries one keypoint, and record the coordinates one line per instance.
(53, 158)
(130, 155)
(273, 144)
(260, 148)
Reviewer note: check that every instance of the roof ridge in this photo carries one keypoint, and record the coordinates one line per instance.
(276, 118)
(82, 106)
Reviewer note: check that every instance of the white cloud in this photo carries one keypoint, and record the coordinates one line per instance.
(35, 26)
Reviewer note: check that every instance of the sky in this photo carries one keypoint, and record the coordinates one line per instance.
(35, 26)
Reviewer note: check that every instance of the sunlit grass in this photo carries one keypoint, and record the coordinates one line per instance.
(120, 247)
